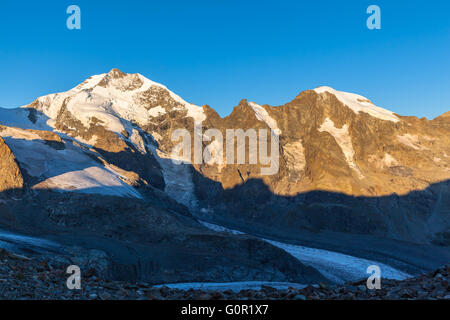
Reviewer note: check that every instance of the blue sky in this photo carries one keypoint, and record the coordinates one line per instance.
(218, 52)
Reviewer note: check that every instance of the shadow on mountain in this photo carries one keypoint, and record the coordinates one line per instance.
(25, 118)
(411, 232)
(144, 165)
(154, 240)
(420, 216)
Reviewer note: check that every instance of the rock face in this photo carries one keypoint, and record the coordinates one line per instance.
(338, 150)
(344, 166)
(10, 176)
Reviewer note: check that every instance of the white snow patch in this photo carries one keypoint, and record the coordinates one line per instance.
(344, 141)
(263, 115)
(359, 104)
(195, 112)
(156, 111)
(389, 160)
(93, 180)
(138, 142)
(411, 141)
(90, 82)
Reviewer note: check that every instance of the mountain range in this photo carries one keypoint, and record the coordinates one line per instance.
(92, 169)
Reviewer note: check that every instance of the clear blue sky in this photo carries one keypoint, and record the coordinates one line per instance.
(217, 52)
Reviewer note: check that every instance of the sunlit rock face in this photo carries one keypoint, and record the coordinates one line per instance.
(10, 175)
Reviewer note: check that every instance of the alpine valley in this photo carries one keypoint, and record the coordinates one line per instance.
(87, 177)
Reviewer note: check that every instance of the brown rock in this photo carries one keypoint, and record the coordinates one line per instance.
(10, 176)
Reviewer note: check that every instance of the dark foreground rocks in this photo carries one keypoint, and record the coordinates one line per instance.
(29, 278)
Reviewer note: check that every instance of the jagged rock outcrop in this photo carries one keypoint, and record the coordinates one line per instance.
(11, 179)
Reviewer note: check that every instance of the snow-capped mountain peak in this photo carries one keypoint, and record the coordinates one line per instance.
(359, 104)
(115, 99)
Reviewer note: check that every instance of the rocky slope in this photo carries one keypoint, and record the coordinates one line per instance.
(27, 278)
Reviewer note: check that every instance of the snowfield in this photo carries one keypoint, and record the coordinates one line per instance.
(19, 118)
(69, 169)
(262, 115)
(344, 141)
(92, 180)
(359, 104)
(338, 267)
